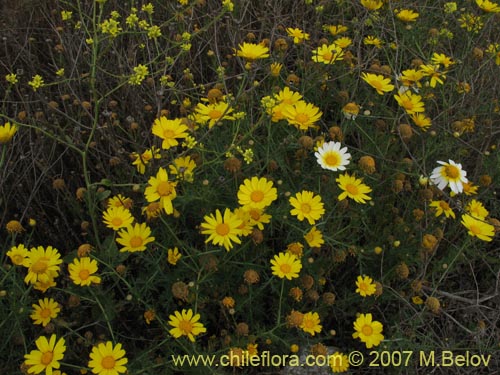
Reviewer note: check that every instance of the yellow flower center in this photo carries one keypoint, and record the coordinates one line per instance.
(302, 118)
(17, 259)
(117, 221)
(108, 362)
(376, 84)
(46, 358)
(222, 229)
(352, 189)
(164, 188)
(84, 274)
(308, 323)
(332, 159)
(255, 214)
(451, 171)
(215, 114)
(168, 133)
(136, 241)
(363, 286)
(257, 196)
(407, 104)
(367, 330)
(40, 265)
(285, 268)
(186, 326)
(444, 206)
(305, 208)
(45, 313)
(475, 229)
(327, 56)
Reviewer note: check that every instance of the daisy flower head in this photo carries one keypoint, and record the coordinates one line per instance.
(297, 34)
(372, 4)
(17, 254)
(365, 286)
(186, 323)
(311, 323)
(378, 82)
(108, 359)
(286, 265)
(476, 209)
(411, 103)
(222, 230)
(257, 193)
(308, 206)
(44, 311)
(42, 264)
(449, 174)
(169, 131)
(252, 51)
(314, 237)
(478, 227)
(160, 188)
(7, 131)
(117, 217)
(302, 115)
(353, 188)
(47, 356)
(328, 54)
(368, 331)
(488, 6)
(407, 15)
(421, 120)
(338, 362)
(331, 156)
(442, 207)
(213, 113)
(82, 270)
(173, 256)
(135, 238)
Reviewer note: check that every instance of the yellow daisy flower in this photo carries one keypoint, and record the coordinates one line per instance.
(17, 254)
(82, 270)
(222, 230)
(411, 103)
(106, 359)
(141, 160)
(46, 310)
(213, 113)
(368, 331)
(478, 228)
(432, 71)
(311, 323)
(251, 51)
(48, 355)
(173, 256)
(286, 265)
(42, 264)
(302, 115)
(378, 82)
(338, 362)
(476, 209)
(328, 54)
(186, 323)
(365, 286)
(119, 201)
(117, 217)
(488, 6)
(7, 131)
(442, 207)
(135, 238)
(407, 15)
(170, 131)
(258, 218)
(411, 78)
(353, 188)
(372, 4)
(314, 238)
(307, 206)
(257, 193)
(297, 34)
(160, 188)
(421, 120)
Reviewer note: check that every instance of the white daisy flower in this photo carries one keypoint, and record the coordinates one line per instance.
(449, 174)
(331, 156)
